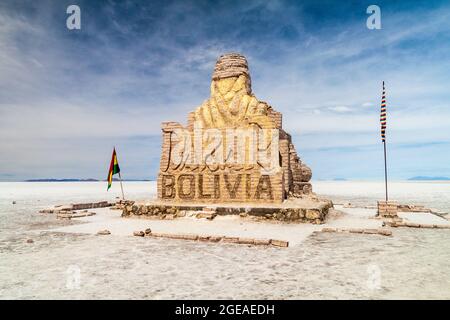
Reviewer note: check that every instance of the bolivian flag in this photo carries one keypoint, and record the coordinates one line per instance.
(113, 168)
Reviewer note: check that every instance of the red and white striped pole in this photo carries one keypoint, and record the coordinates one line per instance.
(383, 119)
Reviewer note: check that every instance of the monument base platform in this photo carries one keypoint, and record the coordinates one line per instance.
(306, 210)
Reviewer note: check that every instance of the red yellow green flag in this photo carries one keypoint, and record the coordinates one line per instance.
(113, 168)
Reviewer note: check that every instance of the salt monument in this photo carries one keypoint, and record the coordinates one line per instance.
(234, 148)
(233, 157)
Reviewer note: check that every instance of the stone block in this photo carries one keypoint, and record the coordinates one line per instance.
(230, 239)
(356, 230)
(215, 238)
(387, 208)
(279, 243)
(246, 241)
(370, 231)
(190, 237)
(262, 242)
(168, 216)
(205, 215)
(156, 234)
(312, 214)
(412, 225)
(385, 232)
(104, 232)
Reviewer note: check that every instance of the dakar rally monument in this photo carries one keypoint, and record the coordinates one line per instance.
(233, 156)
(234, 148)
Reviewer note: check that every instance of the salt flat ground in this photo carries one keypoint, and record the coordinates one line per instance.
(413, 263)
(234, 226)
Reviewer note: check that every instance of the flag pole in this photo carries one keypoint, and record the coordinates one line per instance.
(385, 170)
(120, 179)
(121, 187)
(383, 117)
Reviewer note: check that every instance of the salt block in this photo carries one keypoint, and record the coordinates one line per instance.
(215, 238)
(385, 232)
(246, 241)
(189, 237)
(156, 234)
(370, 231)
(230, 239)
(104, 232)
(138, 233)
(412, 225)
(263, 242)
(174, 236)
(279, 243)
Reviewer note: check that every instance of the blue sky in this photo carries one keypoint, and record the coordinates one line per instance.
(67, 97)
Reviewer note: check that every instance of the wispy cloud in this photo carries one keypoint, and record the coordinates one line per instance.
(66, 97)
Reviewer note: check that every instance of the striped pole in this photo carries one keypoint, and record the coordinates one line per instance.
(383, 135)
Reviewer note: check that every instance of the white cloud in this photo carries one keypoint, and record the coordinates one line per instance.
(340, 109)
(56, 89)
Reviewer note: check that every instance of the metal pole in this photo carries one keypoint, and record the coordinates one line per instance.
(121, 187)
(385, 170)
